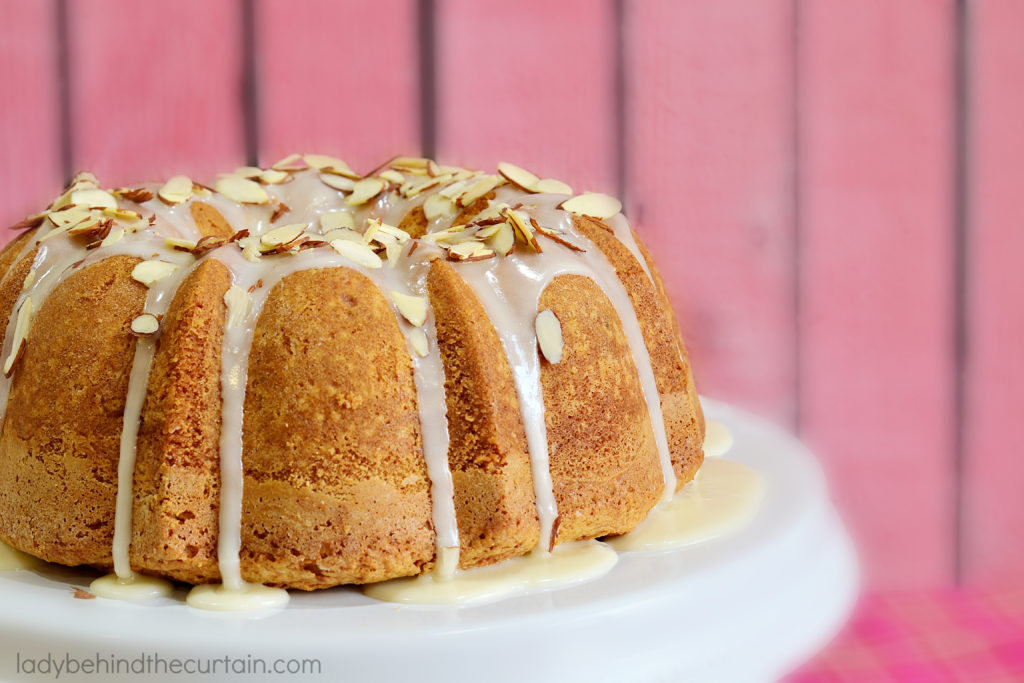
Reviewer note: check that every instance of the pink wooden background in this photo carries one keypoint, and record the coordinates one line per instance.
(833, 189)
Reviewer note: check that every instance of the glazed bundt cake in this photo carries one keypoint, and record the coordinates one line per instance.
(304, 377)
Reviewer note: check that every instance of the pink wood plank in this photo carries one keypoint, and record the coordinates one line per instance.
(338, 78)
(878, 287)
(528, 82)
(994, 508)
(155, 88)
(30, 173)
(710, 150)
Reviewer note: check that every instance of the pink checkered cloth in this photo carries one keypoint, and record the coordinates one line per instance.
(926, 637)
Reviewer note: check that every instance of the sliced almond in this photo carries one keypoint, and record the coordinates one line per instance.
(333, 165)
(393, 252)
(479, 189)
(124, 215)
(338, 182)
(523, 232)
(70, 217)
(176, 190)
(469, 251)
(555, 236)
(238, 305)
(412, 308)
(113, 238)
(334, 220)
(283, 235)
(358, 253)
(180, 244)
(552, 186)
(250, 249)
(365, 190)
(416, 165)
(549, 335)
(401, 235)
(151, 271)
(593, 204)
(250, 172)
(438, 206)
(372, 228)
(134, 194)
(418, 340)
(447, 235)
(392, 176)
(344, 234)
(21, 329)
(292, 162)
(94, 199)
(518, 176)
(241, 190)
(412, 189)
(273, 177)
(145, 325)
(503, 241)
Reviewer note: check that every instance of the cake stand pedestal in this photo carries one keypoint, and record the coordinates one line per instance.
(746, 607)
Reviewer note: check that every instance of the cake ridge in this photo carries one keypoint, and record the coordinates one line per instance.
(321, 191)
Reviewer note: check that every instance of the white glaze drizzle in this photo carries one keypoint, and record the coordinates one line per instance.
(518, 286)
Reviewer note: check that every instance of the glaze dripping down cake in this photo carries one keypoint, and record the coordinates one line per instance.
(305, 377)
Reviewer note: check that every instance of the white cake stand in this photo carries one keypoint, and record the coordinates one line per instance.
(747, 607)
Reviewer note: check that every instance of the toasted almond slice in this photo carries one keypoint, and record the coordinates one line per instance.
(283, 235)
(412, 308)
(250, 172)
(176, 190)
(465, 250)
(334, 220)
(437, 206)
(552, 186)
(93, 199)
(401, 235)
(454, 188)
(487, 231)
(151, 271)
(145, 325)
(333, 165)
(523, 231)
(70, 217)
(241, 190)
(393, 252)
(365, 190)
(415, 165)
(273, 177)
(126, 215)
(113, 238)
(84, 180)
(446, 235)
(479, 189)
(392, 176)
(358, 253)
(180, 244)
(343, 234)
(134, 194)
(518, 176)
(418, 340)
(503, 241)
(593, 204)
(338, 182)
(238, 304)
(292, 162)
(250, 249)
(21, 329)
(415, 188)
(372, 228)
(492, 214)
(549, 335)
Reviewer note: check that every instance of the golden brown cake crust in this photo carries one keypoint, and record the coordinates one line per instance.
(603, 459)
(336, 488)
(64, 418)
(684, 422)
(490, 464)
(177, 470)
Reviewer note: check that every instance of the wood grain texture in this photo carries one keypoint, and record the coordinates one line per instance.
(994, 383)
(710, 163)
(877, 298)
(155, 89)
(338, 77)
(30, 165)
(528, 82)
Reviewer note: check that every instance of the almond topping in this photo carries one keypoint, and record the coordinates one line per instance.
(469, 251)
(343, 234)
(479, 189)
(412, 308)
(593, 204)
(283, 235)
(549, 335)
(94, 199)
(365, 190)
(555, 236)
(114, 237)
(418, 340)
(238, 304)
(333, 165)
(292, 162)
(145, 325)
(273, 177)
(176, 190)
(149, 272)
(518, 176)
(134, 194)
(335, 220)
(437, 206)
(392, 176)
(241, 190)
(180, 244)
(126, 215)
(250, 172)
(338, 182)
(20, 334)
(358, 253)
(552, 186)
(523, 231)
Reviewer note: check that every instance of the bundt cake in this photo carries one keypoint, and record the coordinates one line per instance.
(303, 376)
